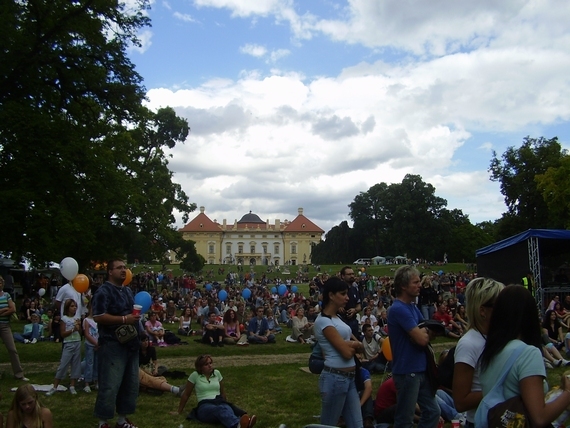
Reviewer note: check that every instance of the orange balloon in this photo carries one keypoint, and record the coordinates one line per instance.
(387, 349)
(128, 278)
(81, 283)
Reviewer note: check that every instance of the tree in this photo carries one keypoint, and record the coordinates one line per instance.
(82, 164)
(554, 185)
(337, 246)
(516, 172)
(368, 212)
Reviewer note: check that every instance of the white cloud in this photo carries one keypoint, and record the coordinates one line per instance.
(184, 17)
(253, 50)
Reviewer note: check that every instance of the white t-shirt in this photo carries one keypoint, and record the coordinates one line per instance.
(468, 350)
(68, 292)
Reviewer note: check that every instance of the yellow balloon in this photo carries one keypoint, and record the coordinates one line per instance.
(128, 278)
(387, 349)
(81, 283)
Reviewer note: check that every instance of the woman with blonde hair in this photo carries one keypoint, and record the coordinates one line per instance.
(480, 295)
(27, 411)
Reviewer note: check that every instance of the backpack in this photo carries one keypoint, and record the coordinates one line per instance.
(494, 411)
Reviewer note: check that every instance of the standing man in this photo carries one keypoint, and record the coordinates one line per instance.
(408, 343)
(353, 307)
(118, 348)
(68, 292)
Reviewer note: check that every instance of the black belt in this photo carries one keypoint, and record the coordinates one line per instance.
(339, 372)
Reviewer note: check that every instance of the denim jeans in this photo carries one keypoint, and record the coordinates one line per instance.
(91, 360)
(118, 380)
(34, 334)
(446, 405)
(414, 388)
(217, 413)
(339, 397)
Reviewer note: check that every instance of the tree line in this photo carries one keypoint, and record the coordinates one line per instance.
(409, 219)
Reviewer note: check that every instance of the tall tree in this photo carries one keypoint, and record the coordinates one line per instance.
(554, 185)
(82, 164)
(516, 171)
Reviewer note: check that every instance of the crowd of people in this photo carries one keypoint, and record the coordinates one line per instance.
(356, 325)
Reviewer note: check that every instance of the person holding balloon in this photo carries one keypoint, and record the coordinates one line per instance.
(71, 352)
(77, 285)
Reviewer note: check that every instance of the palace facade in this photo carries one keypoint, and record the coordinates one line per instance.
(252, 241)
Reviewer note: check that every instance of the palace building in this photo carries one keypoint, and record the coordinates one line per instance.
(252, 241)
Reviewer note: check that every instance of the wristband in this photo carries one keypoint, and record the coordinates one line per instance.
(124, 319)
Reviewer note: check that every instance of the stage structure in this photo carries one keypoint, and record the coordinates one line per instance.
(543, 252)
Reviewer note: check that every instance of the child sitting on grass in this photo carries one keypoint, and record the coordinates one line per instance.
(33, 331)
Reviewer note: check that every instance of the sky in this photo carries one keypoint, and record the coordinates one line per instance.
(308, 103)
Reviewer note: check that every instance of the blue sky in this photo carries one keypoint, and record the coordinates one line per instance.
(307, 103)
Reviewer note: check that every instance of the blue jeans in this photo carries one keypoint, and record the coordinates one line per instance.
(34, 334)
(414, 388)
(374, 366)
(339, 397)
(91, 360)
(118, 380)
(217, 413)
(446, 405)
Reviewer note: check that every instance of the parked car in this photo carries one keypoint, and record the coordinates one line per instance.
(365, 262)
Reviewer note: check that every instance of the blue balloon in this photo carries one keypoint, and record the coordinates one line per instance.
(274, 290)
(246, 293)
(222, 295)
(209, 287)
(143, 298)
(294, 289)
(282, 289)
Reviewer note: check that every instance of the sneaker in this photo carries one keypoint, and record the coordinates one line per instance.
(558, 363)
(24, 379)
(127, 424)
(548, 365)
(34, 340)
(565, 362)
(26, 341)
(51, 392)
(252, 421)
(162, 344)
(220, 344)
(87, 389)
(72, 390)
(181, 390)
(212, 344)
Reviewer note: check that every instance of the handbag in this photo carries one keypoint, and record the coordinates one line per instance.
(125, 333)
(496, 412)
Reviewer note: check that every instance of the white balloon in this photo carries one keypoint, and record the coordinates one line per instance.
(41, 292)
(69, 268)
